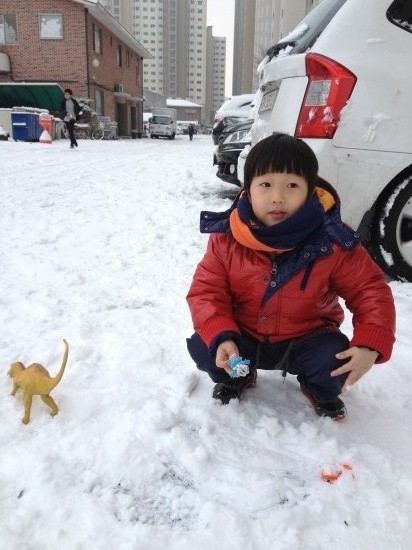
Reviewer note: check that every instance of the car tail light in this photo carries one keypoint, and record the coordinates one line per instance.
(329, 88)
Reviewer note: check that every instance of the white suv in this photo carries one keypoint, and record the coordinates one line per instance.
(342, 81)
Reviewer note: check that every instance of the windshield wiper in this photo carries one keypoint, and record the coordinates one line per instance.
(273, 51)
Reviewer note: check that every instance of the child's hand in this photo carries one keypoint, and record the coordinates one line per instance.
(361, 360)
(224, 351)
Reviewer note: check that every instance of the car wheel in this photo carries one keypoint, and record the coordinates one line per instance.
(392, 232)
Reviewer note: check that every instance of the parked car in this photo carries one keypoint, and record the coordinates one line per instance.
(224, 124)
(180, 128)
(233, 139)
(348, 97)
(234, 110)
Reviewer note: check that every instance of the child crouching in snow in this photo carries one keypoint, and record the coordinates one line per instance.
(268, 285)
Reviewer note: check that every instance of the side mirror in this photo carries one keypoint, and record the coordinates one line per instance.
(150, 120)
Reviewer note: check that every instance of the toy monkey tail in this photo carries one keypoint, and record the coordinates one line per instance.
(59, 375)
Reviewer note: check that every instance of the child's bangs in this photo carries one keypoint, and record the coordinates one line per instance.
(283, 158)
(281, 153)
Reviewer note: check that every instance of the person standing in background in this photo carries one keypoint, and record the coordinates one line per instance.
(191, 131)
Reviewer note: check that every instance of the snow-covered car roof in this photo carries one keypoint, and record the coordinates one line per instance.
(237, 106)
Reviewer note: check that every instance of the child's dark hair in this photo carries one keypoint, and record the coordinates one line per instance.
(68, 91)
(282, 153)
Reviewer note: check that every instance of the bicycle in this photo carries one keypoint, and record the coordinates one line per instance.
(92, 128)
(96, 127)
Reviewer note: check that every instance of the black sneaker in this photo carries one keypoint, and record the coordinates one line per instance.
(226, 392)
(332, 408)
(71, 146)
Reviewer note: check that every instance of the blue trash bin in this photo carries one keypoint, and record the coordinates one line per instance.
(25, 126)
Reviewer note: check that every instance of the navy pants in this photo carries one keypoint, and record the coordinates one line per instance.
(70, 128)
(311, 358)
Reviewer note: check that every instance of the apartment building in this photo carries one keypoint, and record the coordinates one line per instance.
(196, 39)
(148, 25)
(187, 61)
(261, 23)
(243, 47)
(121, 10)
(174, 31)
(276, 18)
(77, 44)
(215, 74)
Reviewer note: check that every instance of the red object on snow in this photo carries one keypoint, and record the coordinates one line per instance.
(46, 122)
(331, 477)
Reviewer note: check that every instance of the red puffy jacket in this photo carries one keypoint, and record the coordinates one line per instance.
(231, 280)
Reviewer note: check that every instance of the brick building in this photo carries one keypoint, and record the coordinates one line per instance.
(79, 45)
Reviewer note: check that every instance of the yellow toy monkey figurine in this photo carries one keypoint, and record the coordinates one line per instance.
(36, 380)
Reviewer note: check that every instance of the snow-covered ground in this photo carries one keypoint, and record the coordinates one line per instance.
(98, 246)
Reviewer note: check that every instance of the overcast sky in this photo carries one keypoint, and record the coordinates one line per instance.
(221, 16)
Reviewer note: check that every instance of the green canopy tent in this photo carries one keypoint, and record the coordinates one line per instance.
(42, 95)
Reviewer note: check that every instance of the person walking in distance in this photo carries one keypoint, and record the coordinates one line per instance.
(191, 131)
(70, 113)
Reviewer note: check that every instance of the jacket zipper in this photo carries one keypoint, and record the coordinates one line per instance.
(273, 284)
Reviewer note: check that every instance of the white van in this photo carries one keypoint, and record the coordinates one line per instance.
(342, 81)
(163, 123)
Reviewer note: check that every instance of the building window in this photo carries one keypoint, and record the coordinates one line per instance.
(119, 56)
(51, 26)
(8, 29)
(127, 58)
(99, 102)
(97, 39)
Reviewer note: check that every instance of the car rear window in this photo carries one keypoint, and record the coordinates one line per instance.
(308, 30)
(400, 14)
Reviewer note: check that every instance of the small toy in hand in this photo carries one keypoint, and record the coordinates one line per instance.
(238, 366)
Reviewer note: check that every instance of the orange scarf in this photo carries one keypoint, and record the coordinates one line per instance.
(244, 234)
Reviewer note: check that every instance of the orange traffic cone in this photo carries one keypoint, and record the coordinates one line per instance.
(45, 122)
(45, 137)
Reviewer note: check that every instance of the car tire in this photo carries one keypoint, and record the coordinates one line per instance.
(392, 230)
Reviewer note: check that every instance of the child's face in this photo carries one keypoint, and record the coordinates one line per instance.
(276, 196)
